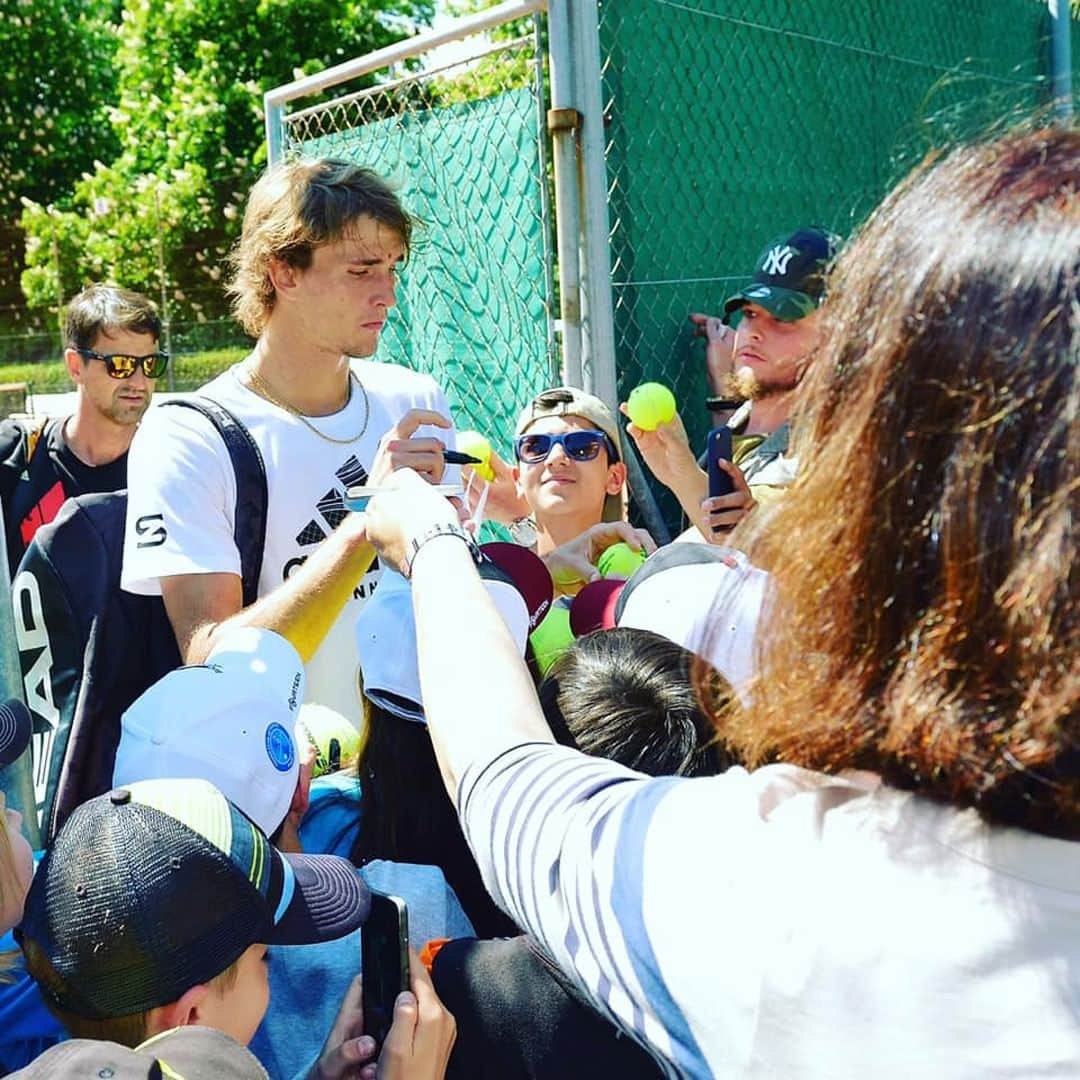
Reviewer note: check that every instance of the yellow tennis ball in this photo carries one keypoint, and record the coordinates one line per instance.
(619, 560)
(336, 741)
(650, 405)
(476, 445)
(552, 637)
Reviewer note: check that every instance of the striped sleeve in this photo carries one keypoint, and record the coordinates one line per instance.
(550, 827)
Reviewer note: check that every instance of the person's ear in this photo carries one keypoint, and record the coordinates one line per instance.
(616, 479)
(284, 277)
(187, 1009)
(74, 363)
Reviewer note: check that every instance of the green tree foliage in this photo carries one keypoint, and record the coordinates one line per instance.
(492, 74)
(57, 80)
(188, 127)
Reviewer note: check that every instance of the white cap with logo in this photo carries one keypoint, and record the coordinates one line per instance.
(230, 721)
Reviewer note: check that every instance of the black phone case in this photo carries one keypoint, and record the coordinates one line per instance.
(384, 951)
(719, 446)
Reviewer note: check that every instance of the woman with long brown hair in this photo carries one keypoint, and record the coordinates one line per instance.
(924, 573)
(892, 887)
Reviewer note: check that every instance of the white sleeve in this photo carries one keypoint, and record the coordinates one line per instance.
(181, 501)
(612, 871)
(556, 835)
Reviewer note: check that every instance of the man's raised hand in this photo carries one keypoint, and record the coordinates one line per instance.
(399, 450)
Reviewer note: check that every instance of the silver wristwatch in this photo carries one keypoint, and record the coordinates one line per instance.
(440, 529)
(523, 532)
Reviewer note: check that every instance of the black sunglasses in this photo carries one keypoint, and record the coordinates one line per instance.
(577, 445)
(122, 366)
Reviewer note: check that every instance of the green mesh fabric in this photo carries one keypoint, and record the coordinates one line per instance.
(472, 307)
(730, 121)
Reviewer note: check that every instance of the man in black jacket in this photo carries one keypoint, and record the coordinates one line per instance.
(111, 352)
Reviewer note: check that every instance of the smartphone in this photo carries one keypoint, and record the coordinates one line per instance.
(356, 498)
(384, 962)
(719, 447)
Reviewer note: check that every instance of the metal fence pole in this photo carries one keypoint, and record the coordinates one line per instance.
(275, 117)
(546, 211)
(564, 122)
(600, 371)
(166, 322)
(1061, 59)
(600, 378)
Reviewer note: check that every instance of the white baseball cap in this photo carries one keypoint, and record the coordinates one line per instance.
(229, 721)
(386, 639)
(706, 598)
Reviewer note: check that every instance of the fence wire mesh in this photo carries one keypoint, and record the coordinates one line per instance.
(463, 142)
(727, 122)
(731, 121)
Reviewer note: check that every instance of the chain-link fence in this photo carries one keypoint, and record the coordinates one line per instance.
(733, 121)
(462, 141)
(726, 122)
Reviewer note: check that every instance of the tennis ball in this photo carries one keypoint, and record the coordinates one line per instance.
(336, 741)
(476, 445)
(650, 405)
(619, 560)
(552, 637)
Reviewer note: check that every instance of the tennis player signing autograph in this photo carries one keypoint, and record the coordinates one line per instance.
(314, 279)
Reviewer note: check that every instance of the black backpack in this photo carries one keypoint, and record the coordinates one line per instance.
(87, 648)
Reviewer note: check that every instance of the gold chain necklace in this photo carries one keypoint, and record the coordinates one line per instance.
(258, 384)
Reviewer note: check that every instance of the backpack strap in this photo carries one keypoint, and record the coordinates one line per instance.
(249, 520)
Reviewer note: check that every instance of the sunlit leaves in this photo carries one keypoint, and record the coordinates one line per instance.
(179, 135)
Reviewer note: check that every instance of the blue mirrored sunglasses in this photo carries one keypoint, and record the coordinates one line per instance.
(532, 448)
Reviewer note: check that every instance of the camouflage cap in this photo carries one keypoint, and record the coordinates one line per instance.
(789, 278)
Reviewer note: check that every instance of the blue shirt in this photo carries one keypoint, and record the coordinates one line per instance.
(27, 1028)
(332, 821)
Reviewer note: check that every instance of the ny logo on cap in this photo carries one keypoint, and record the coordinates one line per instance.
(776, 262)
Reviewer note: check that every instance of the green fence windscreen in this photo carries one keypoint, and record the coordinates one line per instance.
(731, 121)
(473, 305)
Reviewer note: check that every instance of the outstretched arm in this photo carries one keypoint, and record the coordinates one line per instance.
(201, 607)
(563, 812)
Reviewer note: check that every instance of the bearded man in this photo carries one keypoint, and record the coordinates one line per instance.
(757, 353)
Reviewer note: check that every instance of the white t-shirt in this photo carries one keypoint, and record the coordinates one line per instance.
(182, 496)
(785, 924)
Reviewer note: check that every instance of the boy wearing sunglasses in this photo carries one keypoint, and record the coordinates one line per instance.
(564, 496)
(569, 470)
(111, 352)
(570, 479)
